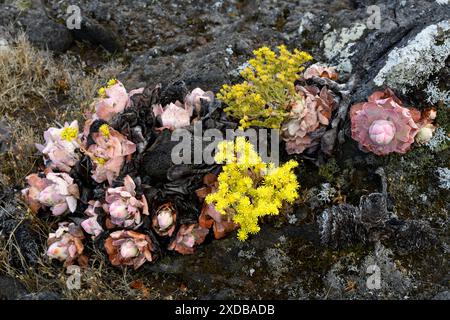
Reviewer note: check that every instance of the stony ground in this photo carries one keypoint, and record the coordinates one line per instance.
(205, 43)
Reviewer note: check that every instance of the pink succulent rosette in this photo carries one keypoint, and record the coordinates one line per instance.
(108, 153)
(382, 125)
(311, 111)
(188, 237)
(132, 93)
(173, 116)
(123, 207)
(56, 191)
(177, 115)
(60, 146)
(114, 102)
(66, 244)
(222, 224)
(193, 101)
(164, 220)
(129, 248)
(317, 70)
(91, 225)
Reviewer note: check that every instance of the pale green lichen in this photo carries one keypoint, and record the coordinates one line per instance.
(414, 63)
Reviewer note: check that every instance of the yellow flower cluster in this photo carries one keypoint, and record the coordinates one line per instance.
(104, 129)
(250, 188)
(263, 98)
(69, 133)
(102, 90)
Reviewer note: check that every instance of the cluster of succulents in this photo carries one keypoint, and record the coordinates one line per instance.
(85, 185)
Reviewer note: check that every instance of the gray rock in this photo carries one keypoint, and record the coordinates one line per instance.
(10, 288)
(46, 295)
(97, 34)
(46, 33)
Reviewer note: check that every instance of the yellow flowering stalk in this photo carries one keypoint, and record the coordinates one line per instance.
(250, 188)
(102, 90)
(262, 99)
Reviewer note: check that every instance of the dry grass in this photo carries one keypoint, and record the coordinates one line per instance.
(38, 91)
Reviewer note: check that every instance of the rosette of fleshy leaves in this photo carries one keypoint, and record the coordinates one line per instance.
(66, 244)
(56, 191)
(112, 100)
(91, 225)
(209, 216)
(321, 71)
(164, 220)
(178, 115)
(382, 125)
(108, 152)
(188, 237)
(130, 248)
(310, 114)
(123, 206)
(60, 147)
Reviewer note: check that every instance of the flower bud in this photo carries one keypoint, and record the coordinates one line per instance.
(129, 250)
(382, 132)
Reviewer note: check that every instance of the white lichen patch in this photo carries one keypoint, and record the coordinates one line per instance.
(421, 57)
(338, 45)
(435, 95)
(444, 178)
(439, 140)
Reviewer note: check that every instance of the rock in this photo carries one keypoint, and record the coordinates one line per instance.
(31, 17)
(348, 280)
(46, 295)
(421, 57)
(46, 33)
(97, 34)
(26, 243)
(338, 45)
(444, 295)
(10, 288)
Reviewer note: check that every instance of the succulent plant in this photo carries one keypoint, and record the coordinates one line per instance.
(193, 100)
(173, 116)
(310, 112)
(187, 238)
(60, 147)
(317, 70)
(56, 191)
(66, 244)
(382, 125)
(108, 153)
(164, 220)
(123, 207)
(91, 224)
(113, 100)
(129, 248)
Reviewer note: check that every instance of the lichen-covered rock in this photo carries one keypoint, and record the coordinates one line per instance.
(421, 57)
